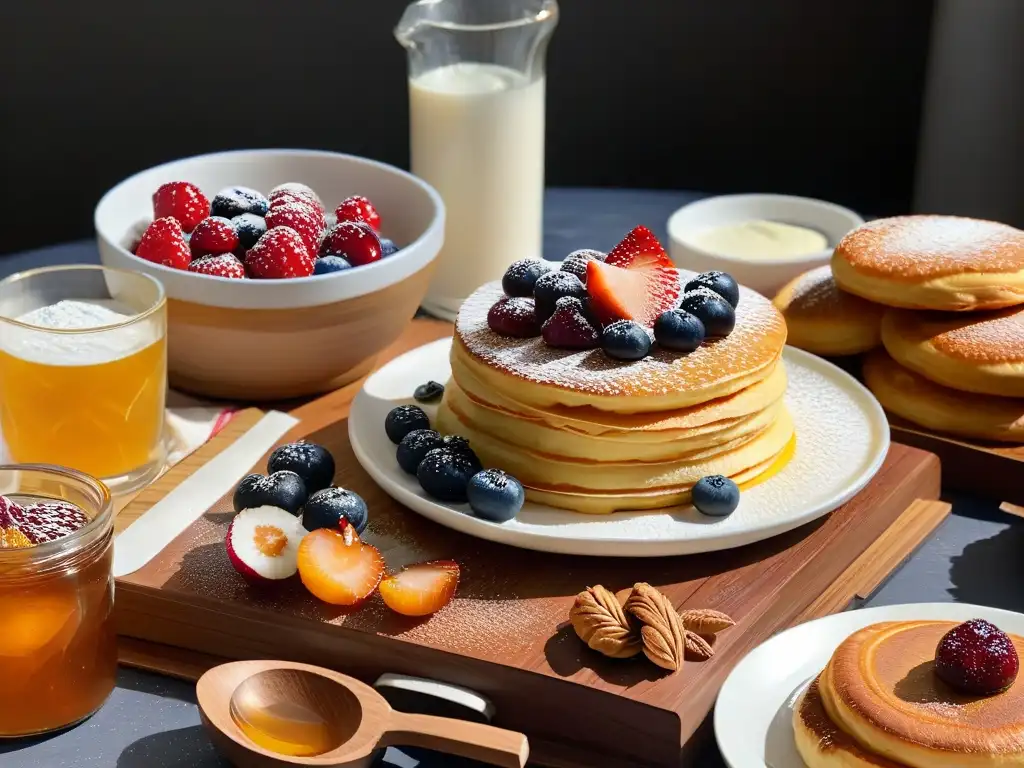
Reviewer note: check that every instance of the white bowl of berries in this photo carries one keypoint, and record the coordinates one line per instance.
(286, 271)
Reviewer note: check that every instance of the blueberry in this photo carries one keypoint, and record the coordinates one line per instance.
(576, 262)
(330, 263)
(387, 247)
(553, 286)
(625, 340)
(522, 276)
(716, 496)
(429, 392)
(715, 312)
(444, 474)
(250, 228)
(312, 462)
(460, 444)
(234, 201)
(281, 489)
(404, 419)
(415, 446)
(678, 331)
(495, 495)
(721, 283)
(327, 507)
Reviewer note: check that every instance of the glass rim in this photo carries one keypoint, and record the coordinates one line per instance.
(548, 10)
(27, 274)
(102, 518)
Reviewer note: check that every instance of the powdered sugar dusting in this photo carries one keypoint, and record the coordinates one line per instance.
(816, 293)
(756, 341)
(992, 337)
(933, 246)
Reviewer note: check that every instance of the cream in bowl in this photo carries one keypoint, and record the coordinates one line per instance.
(761, 240)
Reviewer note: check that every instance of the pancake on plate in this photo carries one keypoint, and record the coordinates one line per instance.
(825, 320)
(976, 352)
(933, 262)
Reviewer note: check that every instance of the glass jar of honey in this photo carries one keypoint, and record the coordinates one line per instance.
(58, 649)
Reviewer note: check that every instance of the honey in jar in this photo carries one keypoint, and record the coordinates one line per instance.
(58, 651)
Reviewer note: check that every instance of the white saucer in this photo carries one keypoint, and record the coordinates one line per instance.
(842, 439)
(754, 712)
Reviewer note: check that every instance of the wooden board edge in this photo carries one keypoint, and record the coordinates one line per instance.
(880, 560)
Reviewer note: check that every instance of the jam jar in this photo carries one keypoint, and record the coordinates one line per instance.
(58, 648)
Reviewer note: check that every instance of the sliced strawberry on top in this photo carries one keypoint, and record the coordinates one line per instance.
(338, 568)
(422, 589)
(631, 294)
(638, 250)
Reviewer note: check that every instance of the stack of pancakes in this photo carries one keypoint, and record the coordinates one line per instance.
(585, 432)
(879, 704)
(937, 302)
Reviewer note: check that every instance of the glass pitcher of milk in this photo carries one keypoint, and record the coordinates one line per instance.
(476, 114)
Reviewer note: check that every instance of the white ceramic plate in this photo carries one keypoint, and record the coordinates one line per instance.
(754, 713)
(842, 440)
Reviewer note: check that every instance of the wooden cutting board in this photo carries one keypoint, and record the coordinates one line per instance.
(506, 635)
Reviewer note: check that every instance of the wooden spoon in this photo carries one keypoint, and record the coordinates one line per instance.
(268, 714)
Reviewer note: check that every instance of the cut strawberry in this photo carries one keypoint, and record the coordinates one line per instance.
(336, 567)
(639, 249)
(634, 294)
(422, 589)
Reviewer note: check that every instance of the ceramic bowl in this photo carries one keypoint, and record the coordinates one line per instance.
(271, 339)
(765, 276)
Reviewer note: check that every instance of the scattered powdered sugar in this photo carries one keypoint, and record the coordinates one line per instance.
(992, 337)
(77, 348)
(933, 246)
(755, 342)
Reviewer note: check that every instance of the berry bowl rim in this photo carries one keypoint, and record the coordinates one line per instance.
(212, 290)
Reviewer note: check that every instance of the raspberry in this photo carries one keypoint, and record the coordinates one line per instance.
(221, 265)
(182, 201)
(280, 253)
(163, 242)
(213, 235)
(358, 208)
(300, 219)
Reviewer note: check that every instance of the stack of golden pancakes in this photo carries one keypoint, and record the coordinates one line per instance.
(587, 433)
(944, 296)
(880, 704)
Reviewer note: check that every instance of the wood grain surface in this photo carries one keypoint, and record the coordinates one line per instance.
(507, 635)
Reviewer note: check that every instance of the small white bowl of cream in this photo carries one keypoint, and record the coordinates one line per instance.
(763, 241)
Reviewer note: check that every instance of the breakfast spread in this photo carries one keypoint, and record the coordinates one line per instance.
(933, 262)
(828, 321)
(760, 240)
(645, 622)
(242, 234)
(293, 521)
(916, 694)
(644, 380)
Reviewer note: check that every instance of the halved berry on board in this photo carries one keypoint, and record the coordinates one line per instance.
(358, 208)
(338, 568)
(280, 253)
(221, 265)
(182, 201)
(353, 241)
(638, 294)
(213, 235)
(164, 243)
(263, 544)
(234, 201)
(639, 249)
(422, 589)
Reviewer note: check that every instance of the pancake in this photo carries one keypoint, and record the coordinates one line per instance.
(528, 432)
(531, 372)
(982, 353)
(544, 471)
(655, 426)
(822, 744)
(933, 262)
(933, 406)
(825, 320)
(880, 687)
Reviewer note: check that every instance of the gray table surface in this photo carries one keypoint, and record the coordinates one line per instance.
(152, 721)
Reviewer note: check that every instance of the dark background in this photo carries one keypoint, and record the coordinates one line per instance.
(810, 97)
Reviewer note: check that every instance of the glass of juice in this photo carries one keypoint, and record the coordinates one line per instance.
(58, 647)
(83, 371)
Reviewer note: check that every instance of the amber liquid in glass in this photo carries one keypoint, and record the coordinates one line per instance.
(58, 648)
